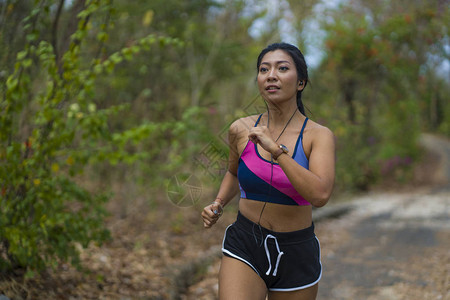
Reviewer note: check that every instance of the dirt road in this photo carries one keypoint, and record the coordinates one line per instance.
(390, 246)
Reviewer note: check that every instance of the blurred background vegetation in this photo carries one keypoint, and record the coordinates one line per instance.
(120, 96)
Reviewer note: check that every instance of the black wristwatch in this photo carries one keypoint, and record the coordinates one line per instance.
(282, 149)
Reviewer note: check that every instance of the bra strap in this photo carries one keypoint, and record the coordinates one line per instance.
(257, 121)
(303, 127)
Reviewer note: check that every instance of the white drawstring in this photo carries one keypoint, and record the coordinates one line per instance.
(280, 253)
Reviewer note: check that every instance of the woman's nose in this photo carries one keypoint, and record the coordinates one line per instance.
(272, 75)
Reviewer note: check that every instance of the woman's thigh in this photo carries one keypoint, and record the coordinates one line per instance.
(305, 294)
(238, 281)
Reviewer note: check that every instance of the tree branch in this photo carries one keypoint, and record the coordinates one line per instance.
(55, 35)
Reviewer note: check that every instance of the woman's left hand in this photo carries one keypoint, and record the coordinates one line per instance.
(260, 135)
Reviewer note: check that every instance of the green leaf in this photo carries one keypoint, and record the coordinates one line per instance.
(22, 54)
(27, 63)
(11, 82)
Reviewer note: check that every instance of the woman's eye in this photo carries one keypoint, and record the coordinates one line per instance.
(263, 70)
(284, 68)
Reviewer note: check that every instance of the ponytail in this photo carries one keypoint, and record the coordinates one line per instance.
(300, 106)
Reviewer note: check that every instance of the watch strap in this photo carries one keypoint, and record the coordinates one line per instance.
(278, 153)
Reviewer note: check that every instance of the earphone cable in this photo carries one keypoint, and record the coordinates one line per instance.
(271, 167)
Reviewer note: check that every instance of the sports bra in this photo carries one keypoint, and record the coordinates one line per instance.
(254, 174)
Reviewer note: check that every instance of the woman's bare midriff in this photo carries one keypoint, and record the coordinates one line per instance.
(277, 217)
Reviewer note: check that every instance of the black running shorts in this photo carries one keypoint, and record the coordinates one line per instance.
(286, 261)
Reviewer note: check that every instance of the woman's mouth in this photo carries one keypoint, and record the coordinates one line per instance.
(272, 88)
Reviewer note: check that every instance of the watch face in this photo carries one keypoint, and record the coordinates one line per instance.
(284, 148)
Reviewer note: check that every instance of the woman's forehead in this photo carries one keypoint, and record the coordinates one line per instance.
(276, 56)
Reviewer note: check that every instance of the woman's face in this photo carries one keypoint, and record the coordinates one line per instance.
(277, 77)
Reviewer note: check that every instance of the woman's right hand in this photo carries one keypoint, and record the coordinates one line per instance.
(211, 214)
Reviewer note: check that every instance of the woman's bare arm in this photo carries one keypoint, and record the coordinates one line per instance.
(230, 185)
(315, 184)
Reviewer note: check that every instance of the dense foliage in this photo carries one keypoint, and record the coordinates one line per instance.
(102, 95)
(51, 129)
(383, 86)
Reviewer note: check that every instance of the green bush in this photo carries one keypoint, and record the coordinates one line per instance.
(51, 131)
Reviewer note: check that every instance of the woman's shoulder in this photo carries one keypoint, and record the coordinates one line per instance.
(243, 124)
(317, 136)
(238, 132)
(318, 131)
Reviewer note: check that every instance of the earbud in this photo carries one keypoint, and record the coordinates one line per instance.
(301, 83)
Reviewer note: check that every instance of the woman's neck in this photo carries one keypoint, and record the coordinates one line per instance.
(280, 115)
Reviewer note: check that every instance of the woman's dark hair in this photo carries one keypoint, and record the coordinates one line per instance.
(300, 64)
